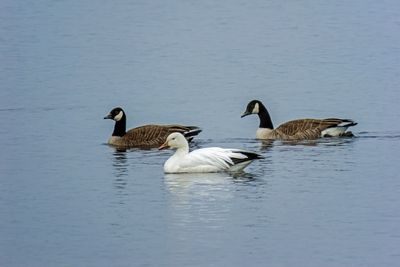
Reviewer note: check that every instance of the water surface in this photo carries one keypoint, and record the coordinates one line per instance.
(67, 199)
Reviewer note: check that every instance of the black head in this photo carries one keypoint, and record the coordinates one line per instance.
(253, 107)
(116, 114)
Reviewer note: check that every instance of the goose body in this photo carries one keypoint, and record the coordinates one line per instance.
(147, 136)
(301, 129)
(212, 159)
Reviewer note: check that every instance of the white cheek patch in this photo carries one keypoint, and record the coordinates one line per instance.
(119, 116)
(256, 109)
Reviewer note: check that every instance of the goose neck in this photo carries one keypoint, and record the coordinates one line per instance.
(265, 118)
(181, 151)
(120, 127)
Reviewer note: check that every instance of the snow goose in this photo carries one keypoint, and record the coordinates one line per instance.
(301, 129)
(147, 136)
(212, 159)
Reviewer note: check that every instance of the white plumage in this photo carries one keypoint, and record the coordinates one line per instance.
(212, 159)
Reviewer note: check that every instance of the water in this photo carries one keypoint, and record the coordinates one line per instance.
(67, 199)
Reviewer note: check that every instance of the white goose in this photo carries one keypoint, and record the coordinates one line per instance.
(212, 159)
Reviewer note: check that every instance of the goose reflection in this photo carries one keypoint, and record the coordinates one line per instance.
(204, 198)
(328, 141)
(200, 183)
(120, 165)
(266, 145)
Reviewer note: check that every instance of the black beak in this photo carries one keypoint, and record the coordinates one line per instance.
(108, 117)
(246, 113)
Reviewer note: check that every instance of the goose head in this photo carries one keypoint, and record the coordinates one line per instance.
(116, 114)
(174, 140)
(252, 108)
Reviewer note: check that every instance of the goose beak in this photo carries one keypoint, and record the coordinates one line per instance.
(108, 117)
(246, 113)
(164, 146)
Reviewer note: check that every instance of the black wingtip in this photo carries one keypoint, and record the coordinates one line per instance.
(350, 122)
(193, 132)
(252, 155)
(249, 156)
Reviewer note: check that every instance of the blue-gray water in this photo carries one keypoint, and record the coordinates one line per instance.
(67, 199)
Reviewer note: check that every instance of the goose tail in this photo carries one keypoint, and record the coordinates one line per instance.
(340, 129)
(243, 159)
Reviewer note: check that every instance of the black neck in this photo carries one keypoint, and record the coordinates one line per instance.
(120, 127)
(265, 119)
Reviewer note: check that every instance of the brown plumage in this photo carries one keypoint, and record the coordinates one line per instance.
(304, 129)
(301, 129)
(147, 136)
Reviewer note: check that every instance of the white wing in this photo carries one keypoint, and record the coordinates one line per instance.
(213, 157)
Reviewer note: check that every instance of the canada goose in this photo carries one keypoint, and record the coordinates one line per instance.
(147, 136)
(301, 129)
(211, 159)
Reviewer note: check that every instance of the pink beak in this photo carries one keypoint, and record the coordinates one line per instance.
(164, 146)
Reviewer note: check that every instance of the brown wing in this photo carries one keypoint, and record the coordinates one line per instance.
(150, 136)
(305, 128)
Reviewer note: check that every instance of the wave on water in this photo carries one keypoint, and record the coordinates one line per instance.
(379, 135)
